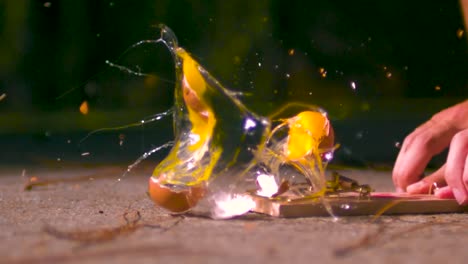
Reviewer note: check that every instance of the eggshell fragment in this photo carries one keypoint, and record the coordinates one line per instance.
(329, 140)
(177, 201)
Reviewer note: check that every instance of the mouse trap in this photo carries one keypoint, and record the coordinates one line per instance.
(346, 197)
(389, 203)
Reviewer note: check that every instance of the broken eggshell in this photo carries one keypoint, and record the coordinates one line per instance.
(175, 199)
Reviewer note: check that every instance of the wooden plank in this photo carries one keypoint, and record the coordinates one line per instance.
(352, 205)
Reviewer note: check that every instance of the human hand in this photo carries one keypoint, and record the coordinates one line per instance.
(448, 127)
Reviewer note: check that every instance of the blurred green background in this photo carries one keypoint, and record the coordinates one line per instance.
(379, 68)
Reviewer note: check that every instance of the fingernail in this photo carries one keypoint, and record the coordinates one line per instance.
(399, 190)
(461, 199)
(418, 187)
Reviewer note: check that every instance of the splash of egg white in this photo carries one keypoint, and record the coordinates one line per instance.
(228, 205)
(267, 185)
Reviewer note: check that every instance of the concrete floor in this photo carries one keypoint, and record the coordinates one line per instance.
(86, 216)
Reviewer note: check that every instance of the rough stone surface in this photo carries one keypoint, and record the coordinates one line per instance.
(99, 205)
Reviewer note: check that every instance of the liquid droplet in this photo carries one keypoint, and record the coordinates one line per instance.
(121, 139)
(359, 134)
(328, 156)
(84, 109)
(460, 33)
(397, 144)
(323, 72)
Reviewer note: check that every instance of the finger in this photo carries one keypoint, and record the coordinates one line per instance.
(402, 176)
(444, 193)
(429, 183)
(426, 141)
(465, 173)
(456, 170)
(418, 149)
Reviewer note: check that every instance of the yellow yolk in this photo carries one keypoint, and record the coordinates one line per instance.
(194, 87)
(306, 131)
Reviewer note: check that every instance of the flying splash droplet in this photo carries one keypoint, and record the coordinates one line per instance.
(460, 33)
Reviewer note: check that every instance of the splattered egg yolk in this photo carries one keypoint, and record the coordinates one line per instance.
(307, 130)
(194, 86)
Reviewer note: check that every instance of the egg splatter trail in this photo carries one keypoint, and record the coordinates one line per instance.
(222, 149)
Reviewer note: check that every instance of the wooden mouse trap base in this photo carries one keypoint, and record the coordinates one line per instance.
(353, 205)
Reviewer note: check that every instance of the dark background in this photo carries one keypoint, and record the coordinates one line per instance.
(408, 60)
